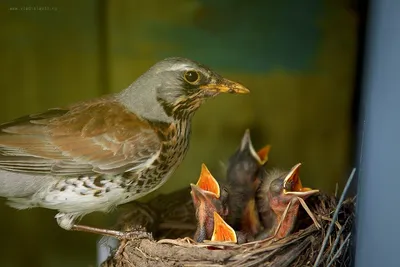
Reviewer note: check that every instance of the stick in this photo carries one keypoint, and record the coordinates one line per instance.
(335, 216)
(305, 207)
(339, 250)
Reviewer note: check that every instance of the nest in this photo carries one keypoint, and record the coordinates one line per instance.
(307, 246)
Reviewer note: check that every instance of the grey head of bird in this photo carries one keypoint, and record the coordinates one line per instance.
(175, 87)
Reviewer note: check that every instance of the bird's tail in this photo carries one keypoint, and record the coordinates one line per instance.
(20, 203)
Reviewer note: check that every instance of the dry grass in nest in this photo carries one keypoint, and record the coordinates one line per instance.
(329, 246)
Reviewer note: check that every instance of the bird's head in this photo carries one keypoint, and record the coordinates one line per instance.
(285, 188)
(245, 163)
(179, 85)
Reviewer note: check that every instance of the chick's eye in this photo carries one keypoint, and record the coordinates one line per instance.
(288, 186)
(191, 76)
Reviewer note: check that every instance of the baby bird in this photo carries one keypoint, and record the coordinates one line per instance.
(207, 200)
(242, 183)
(278, 201)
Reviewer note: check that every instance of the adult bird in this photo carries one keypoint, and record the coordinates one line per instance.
(97, 154)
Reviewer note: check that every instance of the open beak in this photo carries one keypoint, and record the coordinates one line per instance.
(198, 194)
(263, 154)
(223, 232)
(247, 144)
(292, 184)
(225, 86)
(207, 182)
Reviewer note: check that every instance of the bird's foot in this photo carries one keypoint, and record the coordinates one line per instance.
(122, 236)
(130, 235)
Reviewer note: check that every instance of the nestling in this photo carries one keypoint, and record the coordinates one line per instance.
(243, 181)
(277, 201)
(207, 199)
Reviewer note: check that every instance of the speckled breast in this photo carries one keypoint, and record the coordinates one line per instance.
(174, 147)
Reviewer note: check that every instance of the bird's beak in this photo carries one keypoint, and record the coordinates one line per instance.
(223, 232)
(246, 144)
(225, 86)
(292, 184)
(207, 182)
(263, 154)
(198, 194)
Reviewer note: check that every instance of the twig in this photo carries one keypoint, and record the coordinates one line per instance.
(176, 243)
(207, 264)
(330, 220)
(260, 260)
(335, 216)
(177, 225)
(307, 209)
(339, 250)
(208, 243)
(285, 260)
(338, 235)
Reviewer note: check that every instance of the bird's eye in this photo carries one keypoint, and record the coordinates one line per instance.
(288, 186)
(191, 76)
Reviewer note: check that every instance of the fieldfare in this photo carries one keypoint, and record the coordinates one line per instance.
(97, 154)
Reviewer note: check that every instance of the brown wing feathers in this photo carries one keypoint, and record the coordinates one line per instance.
(94, 137)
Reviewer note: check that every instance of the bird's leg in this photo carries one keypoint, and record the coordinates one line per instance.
(113, 233)
(309, 212)
(67, 222)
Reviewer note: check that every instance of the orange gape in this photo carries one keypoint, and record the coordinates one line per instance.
(207, 181)
(223, 232)
(263, 154)
(207, 201)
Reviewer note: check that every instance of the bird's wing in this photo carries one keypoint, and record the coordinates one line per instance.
(92, 137)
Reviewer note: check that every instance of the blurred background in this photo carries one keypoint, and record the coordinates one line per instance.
(298, 58)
